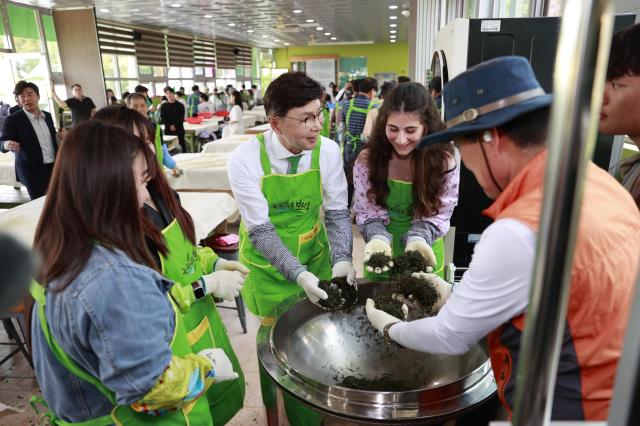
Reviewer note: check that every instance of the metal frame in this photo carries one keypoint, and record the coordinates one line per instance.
(583, 48)
(7, 28)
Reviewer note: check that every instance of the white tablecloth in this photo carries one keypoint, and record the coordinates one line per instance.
(248, 120)
(227, 144)
(258, 129)
(208, 210)
(258, 113)
(7, 169)
(206, 126)
(201, 171)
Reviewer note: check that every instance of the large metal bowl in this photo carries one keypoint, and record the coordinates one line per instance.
(308, 351)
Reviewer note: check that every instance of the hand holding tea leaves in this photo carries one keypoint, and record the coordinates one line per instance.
(424, 249)
(441, 286)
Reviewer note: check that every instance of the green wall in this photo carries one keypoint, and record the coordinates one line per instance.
(384, 57)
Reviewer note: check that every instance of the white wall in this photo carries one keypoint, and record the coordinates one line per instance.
(629, 6)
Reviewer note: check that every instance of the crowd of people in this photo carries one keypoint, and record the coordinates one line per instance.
(112, 229)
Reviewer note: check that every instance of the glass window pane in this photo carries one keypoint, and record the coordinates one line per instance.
(208, 72)
(159, 88)
(175, 83)
(187, 72)
(127, 66)
(158, 71)
(128, 86)
(109, 65)
(52, 43)
(6, 80)
(4, 37)
(187, 84)
(24, 28)
(174, 72)
(145, 70)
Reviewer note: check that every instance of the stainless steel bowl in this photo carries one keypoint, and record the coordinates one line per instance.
(308, 351)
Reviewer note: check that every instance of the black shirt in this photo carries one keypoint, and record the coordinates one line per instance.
(172, 113)
(80, 109)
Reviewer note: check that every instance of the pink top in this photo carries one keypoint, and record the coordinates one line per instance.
(364, 209)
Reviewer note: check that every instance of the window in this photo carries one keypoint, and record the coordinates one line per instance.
(52, 47)
(24, 28)
(120, 73)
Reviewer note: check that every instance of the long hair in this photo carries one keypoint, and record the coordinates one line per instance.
(92, 199)
(429, 164)
(132, 120)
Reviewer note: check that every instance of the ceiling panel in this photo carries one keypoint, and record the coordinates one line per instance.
(347, 20)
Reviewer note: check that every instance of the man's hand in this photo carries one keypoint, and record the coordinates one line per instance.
(172, 127)
(309, 284)
(442, 287)
(344, 269)
(424, 249)
(12, 146)
(380, 319)
(221, 364)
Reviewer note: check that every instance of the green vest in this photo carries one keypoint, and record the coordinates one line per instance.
(202, 323)
(196, 413)
(400, 210)
(158, 145)
(294, 209)
(350, 138)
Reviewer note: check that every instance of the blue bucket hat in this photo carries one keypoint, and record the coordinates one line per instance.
(487, 96)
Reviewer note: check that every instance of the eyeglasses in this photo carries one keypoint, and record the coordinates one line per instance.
(311, 119)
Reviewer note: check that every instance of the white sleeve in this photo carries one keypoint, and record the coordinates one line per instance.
(245, 172)
(236, 114)
(334, 181)
(493, 290)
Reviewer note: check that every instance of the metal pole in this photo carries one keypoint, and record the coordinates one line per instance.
(538, 8)
(625, 410)
(579, 77)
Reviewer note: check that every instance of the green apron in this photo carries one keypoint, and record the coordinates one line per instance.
(203, 325)
(400, 209)
(326, 123)
(158, 145)
(356, 139)
(195, 414)
(294, 209)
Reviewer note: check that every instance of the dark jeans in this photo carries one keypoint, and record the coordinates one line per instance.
(36, 180)
(351, 151)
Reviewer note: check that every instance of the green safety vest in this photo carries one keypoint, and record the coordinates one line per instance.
(202, 323)
(355, 139)
(400, 210)
(158, 145)
(196, 413)
(326, 124)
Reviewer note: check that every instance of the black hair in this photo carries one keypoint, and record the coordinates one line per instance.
(21, 85)
(204, 97)
(141, 89)
(624, 58)
(290, 90)
(74, 85)
(125, 95)
(181, 89)
(237, 98)
(195, 88)
(180, 93)
(387, 86)
(436, 84)
(355, 84)
(253, 86)
(368, 84)
(403, 79)
(168, 89)
(528, 130)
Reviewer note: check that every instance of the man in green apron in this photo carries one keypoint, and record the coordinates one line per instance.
(281, 180)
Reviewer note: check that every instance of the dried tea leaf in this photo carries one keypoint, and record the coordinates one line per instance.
(341, 294)
(407, 263)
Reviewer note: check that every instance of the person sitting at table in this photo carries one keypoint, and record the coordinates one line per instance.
(172, 116)
(108, 346)
(205, 105)
(197, 271)
(234, 119)
(138, 102)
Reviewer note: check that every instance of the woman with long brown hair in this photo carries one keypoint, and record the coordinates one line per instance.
(108, 346)
(198, 272)
(404, 197)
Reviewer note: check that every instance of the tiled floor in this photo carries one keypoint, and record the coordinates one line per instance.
(17, 382)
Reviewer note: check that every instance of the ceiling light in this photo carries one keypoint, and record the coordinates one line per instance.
(393, 17)
(393, 25)
(264, 36)
(286, 44)
(393, 6)
(406, 13)
(392, 36)
(249, 31)
(319, 28)
(392, 32)
(309, 20)
(208, 16)
(297, 11)
(327, 33)
(104, 10)
(276, 40)
(392, 41)
(334, 38)
(232, 24)
(175, 5)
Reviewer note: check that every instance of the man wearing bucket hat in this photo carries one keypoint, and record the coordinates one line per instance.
(497, 113)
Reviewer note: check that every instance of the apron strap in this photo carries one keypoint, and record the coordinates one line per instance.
(158, 145)
(39, 294)
(315, 155)
(264, 158)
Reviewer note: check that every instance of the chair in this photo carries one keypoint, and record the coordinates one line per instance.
(20, 339)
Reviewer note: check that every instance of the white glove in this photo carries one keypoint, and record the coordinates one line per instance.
(309, 283)
(224, 284)
(231, 265)
(222, 367)
(380, 319)
(376, 245)
(442, 287)
(344, 268)
(424, 249)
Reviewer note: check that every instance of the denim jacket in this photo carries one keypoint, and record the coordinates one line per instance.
(116, 322)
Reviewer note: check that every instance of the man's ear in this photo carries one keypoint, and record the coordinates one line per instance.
(275, 124)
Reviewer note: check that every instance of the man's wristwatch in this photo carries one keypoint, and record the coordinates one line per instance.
(385, 330)
(199, 288)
